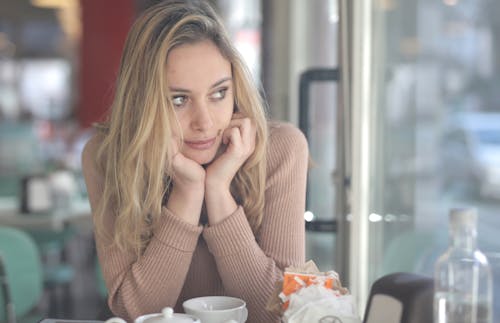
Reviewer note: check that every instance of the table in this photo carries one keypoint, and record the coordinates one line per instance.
(78, 213)
(48, 320)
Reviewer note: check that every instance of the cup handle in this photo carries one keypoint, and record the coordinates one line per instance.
(115, 320)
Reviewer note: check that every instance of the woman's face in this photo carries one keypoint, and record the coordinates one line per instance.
(200, 82)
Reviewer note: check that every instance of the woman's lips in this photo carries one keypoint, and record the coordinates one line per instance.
(200, 144)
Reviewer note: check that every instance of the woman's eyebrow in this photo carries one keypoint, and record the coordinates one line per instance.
(182, 90)
(219, 82)
(178, 89)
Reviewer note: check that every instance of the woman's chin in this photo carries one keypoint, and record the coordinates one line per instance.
(203, 159)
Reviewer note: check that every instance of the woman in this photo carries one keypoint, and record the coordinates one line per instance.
(193, 192)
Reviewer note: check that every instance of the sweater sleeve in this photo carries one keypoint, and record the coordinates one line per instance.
(144, 285)
(249, 267)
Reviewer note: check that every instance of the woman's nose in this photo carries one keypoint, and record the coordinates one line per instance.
(202, 117)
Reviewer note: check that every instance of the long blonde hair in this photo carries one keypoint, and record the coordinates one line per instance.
(135, 154)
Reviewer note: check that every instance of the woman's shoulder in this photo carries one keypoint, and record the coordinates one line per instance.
(90, 149)
(287, 136)
(286, 144)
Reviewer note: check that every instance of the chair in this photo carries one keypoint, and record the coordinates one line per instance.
(23, 270)
(104, 311)
(57, 271)
(400, 298)
(8, 304)
(101, 285)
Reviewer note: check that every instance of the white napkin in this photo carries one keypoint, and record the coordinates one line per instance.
(316, 303)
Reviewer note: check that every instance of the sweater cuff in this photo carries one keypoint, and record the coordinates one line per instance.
(176, 233)
(230, 235)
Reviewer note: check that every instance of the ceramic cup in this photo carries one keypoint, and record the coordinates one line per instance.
(167, 315)
(217, 309)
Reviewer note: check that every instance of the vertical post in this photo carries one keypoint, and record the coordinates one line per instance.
(105, 25)
(362, 128)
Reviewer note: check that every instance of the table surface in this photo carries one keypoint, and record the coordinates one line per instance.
(68, 321)
(78, 213)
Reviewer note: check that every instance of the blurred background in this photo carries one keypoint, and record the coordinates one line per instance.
(399, 100)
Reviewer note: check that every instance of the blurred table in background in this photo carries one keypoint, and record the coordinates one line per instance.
(52, 231)
(78, 214)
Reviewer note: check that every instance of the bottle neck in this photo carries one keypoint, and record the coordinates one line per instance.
(464, 237)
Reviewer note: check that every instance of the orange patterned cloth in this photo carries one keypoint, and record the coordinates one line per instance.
(292, 282)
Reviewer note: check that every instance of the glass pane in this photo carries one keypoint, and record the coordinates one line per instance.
(322, 139)
(436, 142)
(243, 20)
(317, 50)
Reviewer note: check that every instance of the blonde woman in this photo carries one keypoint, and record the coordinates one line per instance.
(193, 192)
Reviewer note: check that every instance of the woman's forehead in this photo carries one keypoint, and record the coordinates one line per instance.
(199, 63)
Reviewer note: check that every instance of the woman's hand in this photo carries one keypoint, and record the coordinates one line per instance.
(188, 174)
(186, 198)
(239, 143)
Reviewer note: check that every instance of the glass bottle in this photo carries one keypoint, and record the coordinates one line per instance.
(463, 281)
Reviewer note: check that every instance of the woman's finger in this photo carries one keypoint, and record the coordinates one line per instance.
(242, 144)
(247, 129)
(238, 115)
(232, 136)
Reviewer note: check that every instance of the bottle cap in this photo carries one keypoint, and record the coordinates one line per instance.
(460, 217)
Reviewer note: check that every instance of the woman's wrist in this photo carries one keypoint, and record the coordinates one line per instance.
(186, 203)
(219, 203)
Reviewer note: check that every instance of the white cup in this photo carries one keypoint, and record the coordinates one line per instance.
(167, 315)
(217, 309)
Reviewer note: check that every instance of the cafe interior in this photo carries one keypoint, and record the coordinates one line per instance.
(399, 101)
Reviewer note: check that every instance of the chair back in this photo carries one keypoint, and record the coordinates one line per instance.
(101, 284)
(401, 298)
(23, 271)
(4, 285)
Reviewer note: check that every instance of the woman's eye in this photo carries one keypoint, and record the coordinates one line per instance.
(179, 101)
(219, 94)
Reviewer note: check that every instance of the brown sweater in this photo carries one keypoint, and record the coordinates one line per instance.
(183, 261)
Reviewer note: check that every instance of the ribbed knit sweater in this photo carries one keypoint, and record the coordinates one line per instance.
(183, 261)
